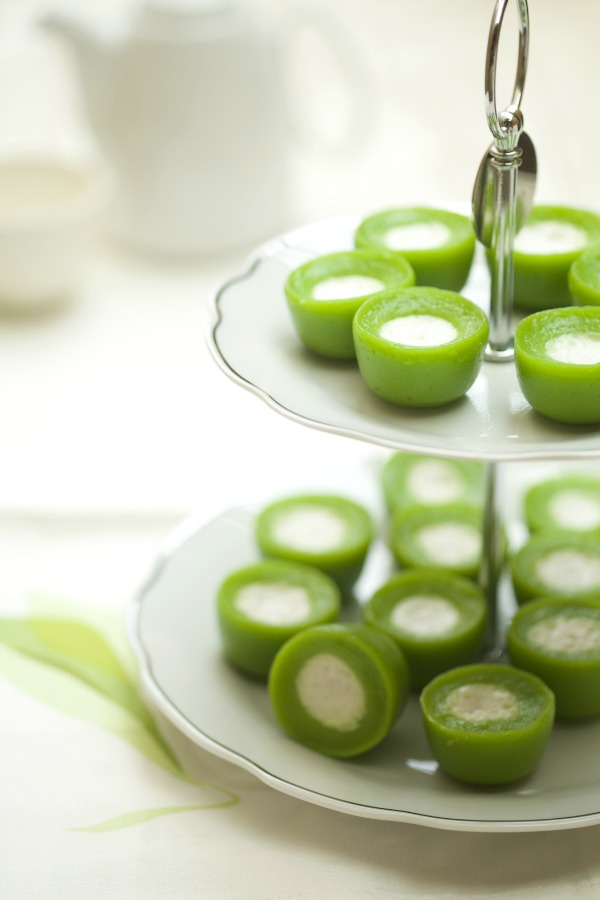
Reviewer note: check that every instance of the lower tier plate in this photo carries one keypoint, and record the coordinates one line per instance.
(174, 632)
(253, 340)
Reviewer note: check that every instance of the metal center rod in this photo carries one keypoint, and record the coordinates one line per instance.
(504, 161)
(505, 165)
(492, 553)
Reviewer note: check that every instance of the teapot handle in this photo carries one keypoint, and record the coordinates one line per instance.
(356, 78)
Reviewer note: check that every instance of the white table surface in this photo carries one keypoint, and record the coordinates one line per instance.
(115, 424)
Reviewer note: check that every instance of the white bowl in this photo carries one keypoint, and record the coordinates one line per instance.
(49, 208)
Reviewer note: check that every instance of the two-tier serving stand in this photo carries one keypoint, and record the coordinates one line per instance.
(253, 341)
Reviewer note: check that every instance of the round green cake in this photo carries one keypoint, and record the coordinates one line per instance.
(338, 689)
(487, 724)
(438, 244)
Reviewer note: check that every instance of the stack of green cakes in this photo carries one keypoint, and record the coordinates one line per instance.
(339, 673)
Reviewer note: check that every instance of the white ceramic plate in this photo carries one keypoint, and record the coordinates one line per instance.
(253, 340)
(174, 632)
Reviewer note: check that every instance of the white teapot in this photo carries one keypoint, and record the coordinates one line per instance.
(186, 105)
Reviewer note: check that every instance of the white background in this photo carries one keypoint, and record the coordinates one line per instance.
(115, 424)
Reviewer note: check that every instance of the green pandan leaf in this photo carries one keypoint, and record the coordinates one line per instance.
(78, 649)
(58, 689)
(107, 623)
(78, 640)
(127, 820)
(73, 668)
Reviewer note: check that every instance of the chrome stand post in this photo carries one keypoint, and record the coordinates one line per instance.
(492, 559)
(505, 185)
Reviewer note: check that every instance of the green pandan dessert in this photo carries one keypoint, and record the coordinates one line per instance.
(545, 248)
(338, 689)
(324, 294)
(410, 479)
(557, 355)
(261, 607)
(584, 278)
(437, 620)
(559, 641)
(332, 533)
(569, 503)
(419, 346)
(561, 564)
(438, 244)
(447, 537)
(487, 724)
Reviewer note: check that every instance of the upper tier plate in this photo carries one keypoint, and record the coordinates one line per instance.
(253, 340)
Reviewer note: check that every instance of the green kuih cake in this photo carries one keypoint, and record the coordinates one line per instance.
(324, 294)
(584, 279)
(557, 564)
(338, 689)
(409, 479)
(438, 244)
(487, 724)
(419, 346)
(447, 537)
(560, 642)
(331, 533)
(437, 620)
(557, 356)
(569, 503)
(547, 245)
(261, 607)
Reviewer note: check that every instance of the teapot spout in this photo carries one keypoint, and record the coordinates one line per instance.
(92, 52)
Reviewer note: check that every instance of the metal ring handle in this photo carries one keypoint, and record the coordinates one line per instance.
(507, 126)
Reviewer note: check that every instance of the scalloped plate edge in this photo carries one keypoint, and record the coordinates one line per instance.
(166, 707)
(283, 242)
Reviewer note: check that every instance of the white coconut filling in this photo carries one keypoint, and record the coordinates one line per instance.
(482, 703)
(449, 543)
(331, 693)
(312, 529)
(566, 634)
(424, 615)
(550, 237)
(569, 570)
(346, 287)
(418, 331)
(576, 349)
(434, 481)
(417, 236)
(273, 603)
(574, 510)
